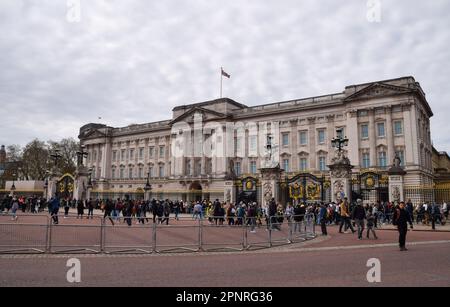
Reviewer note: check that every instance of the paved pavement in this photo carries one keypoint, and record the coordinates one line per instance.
(335, 260)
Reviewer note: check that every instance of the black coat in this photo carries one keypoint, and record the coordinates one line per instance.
(359, 213)
(401, 218)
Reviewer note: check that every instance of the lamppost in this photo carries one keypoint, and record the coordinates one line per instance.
(81, 154)
(148, 186)
(13, 187)
(340, 141)
(56, 156)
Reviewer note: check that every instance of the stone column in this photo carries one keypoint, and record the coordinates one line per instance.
(229, 195)
(396, 174)
(270, 179)
(341, 178)
(390, 135)
(312, 143)
(81, 183)
(372, 138)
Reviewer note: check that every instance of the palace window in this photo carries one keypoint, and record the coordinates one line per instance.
(122, 155)
(114, 156)
(380, 130)
(141, 153)
(161, 151)
(303, 138)
(161, 170)
(122, 173)
(321, 136)
(285, 139)
(364, 131)
(151, 172)
(237, 168)
(303, 164)
(286, 165)
(140, 172)
(365, 160)
(131, 154)
(130, 173)
(253, 167)
(151, 152)
(322, 164)
(398, 127)
(382, 159)
(113, 173)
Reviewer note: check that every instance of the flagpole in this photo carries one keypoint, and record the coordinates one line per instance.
(221, 81)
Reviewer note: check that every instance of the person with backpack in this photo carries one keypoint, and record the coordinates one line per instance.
(401, 219)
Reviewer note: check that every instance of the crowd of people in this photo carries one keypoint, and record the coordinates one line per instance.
(344, 213)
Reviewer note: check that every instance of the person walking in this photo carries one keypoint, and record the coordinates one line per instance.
(14, 208)
(90, 207)
(359, 215)
(251, 215)
(55, 204)
(66, 208)
(323, 219)
(401, 219)
(80, 209)
(345, 216)
(109, 207)
(371, 222)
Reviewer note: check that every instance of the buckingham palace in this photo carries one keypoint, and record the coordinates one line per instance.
(210, 147)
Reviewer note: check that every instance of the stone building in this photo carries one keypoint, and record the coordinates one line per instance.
(381, 120)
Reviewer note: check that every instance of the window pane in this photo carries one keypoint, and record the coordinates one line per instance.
(286, 165)
(380, 128)
(321, 136)
(303, 164)
(303, 138)
(237, 168)
(364, 131)
(398, 128)
(285, 139)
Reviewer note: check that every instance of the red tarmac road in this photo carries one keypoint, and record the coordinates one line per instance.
(339, 260)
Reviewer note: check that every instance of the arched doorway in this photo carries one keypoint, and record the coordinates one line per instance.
(195, 191)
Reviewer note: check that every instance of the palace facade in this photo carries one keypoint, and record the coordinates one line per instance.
(381, 120)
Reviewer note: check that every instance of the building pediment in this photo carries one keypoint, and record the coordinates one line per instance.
(378, 90)
(199, 112)
(92, 134)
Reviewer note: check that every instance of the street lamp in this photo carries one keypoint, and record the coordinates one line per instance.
(81, 154)
(340, 141)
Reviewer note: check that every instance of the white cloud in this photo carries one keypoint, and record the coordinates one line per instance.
(133, 61)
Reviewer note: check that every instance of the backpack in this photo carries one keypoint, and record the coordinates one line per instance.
(396, 217)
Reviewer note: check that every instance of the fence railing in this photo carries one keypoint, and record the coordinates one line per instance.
(35, 233)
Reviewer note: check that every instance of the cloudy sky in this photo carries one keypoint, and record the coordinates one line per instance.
(133, 61)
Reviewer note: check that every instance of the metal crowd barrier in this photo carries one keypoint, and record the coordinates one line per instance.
(37, 233)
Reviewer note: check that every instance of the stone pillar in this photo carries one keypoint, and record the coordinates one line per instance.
(270, 182)
(372, 138)
(52, 183)
(389, 135)
(396, 193)
(229, 195)
(341, 178)
(81, 183)
(396, 174)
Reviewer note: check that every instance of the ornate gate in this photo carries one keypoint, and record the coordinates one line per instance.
(247, 190)
(371, 187)
(307, 188)
(65, 186)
